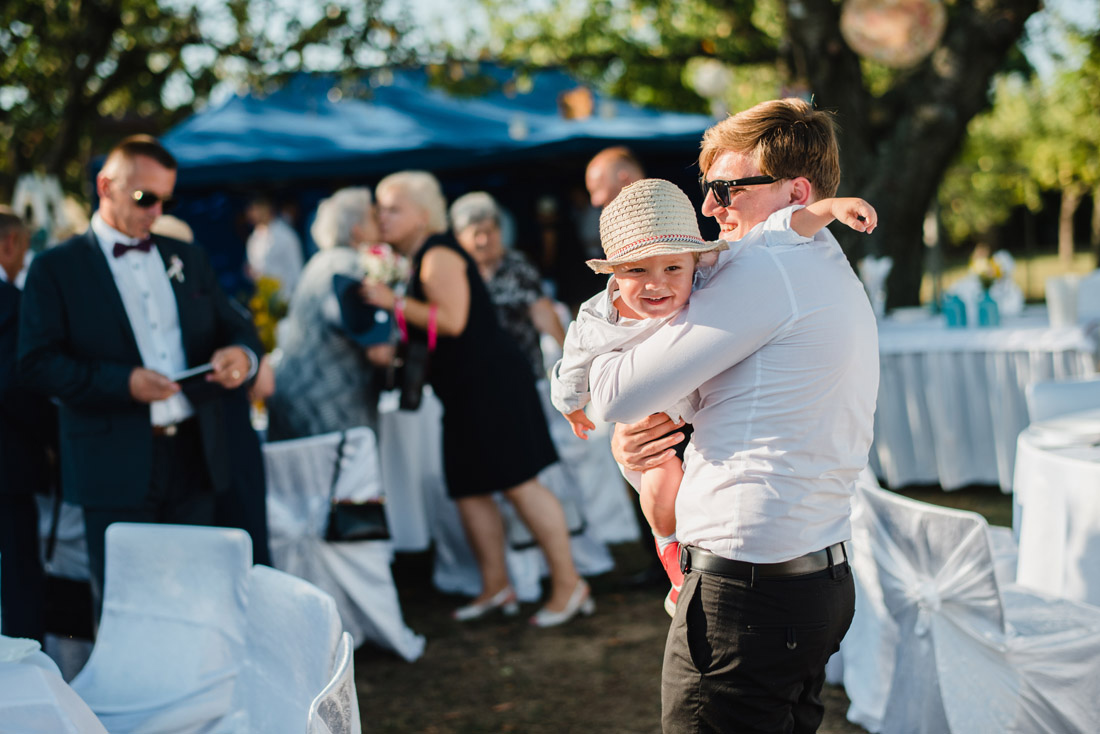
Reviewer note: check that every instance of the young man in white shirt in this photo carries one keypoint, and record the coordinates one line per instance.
(782, 346)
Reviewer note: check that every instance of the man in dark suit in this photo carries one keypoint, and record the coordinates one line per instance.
(109, 319)
(28, 427)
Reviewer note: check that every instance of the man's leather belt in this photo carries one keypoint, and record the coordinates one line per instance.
(169, 430)
(697, 559)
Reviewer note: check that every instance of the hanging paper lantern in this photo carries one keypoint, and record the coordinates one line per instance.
(897, 33)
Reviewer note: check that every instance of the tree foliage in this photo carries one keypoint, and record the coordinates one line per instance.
(900, 129)
(1037, 137)
(78, 74)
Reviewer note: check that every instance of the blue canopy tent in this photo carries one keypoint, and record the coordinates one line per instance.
(521, 137)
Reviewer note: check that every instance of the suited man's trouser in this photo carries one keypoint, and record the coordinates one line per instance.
(22, 579)
(180, 493)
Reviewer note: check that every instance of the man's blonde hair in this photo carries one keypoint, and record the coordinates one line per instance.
(788, 138)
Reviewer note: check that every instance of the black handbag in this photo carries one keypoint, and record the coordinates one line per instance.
(353, 521)
(411, 369)
(411, 361)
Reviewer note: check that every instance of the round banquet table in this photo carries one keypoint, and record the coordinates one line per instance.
(1057, 506)
(951, 401)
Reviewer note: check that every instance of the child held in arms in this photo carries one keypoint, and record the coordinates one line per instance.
(657, 257)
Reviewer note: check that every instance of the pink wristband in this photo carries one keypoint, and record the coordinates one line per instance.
(399, 317)
(433, 311)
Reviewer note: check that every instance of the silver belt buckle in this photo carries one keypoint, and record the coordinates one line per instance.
(169, 430)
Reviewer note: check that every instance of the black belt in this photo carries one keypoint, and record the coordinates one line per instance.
(170, 429)
(697, 559)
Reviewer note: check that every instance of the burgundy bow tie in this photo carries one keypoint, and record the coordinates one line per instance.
(144, 245)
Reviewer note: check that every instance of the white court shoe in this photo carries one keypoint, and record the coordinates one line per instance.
(504, 600)
(580, 602)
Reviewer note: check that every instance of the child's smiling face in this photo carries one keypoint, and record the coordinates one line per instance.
(656, 286)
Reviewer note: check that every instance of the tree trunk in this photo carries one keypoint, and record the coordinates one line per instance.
(1071, 199)
(1094, 230)
(895, 148)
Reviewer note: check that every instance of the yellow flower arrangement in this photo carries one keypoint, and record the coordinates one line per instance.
(268, 308)
(987, 269)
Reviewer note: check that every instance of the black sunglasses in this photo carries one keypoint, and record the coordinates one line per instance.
(721, 189)
(147, 200)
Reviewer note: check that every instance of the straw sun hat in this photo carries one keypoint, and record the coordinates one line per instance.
(649, 217)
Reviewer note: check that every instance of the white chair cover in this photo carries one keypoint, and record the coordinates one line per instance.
(953, 654)
(1052, 398)
(1088, 297)
(34, 700)
(335, 710)
(1061, 294)
(172, 631)
(293, 630)
(70, 554)
(356, 574)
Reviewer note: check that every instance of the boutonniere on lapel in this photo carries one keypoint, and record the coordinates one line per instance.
(175, 269)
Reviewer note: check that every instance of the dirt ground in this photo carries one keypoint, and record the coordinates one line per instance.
(595, 674)
(599, 674)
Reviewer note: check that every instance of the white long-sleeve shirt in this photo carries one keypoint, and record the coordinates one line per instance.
(782, 346)
(274, 249)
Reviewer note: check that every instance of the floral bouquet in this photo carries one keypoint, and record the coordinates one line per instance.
(382, 264)
(988, 269)
(268, 308)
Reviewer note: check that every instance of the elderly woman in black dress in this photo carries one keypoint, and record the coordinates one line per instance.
(495, 437)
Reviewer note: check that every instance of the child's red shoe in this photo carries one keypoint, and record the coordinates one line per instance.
(670, 559)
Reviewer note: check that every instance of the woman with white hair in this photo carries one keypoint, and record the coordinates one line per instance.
(495, 437)
(324, 380)
(513, 282)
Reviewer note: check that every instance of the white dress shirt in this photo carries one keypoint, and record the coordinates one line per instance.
(274, 249)
(151, 309)
(782, 346)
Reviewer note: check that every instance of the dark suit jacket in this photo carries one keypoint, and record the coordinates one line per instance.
(76, 344)
(28, 423)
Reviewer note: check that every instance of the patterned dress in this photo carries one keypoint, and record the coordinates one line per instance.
(514, 287)
(323, 381)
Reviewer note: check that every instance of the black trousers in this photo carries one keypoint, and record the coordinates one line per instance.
(22, 579)
(750, 657)
(180, 493)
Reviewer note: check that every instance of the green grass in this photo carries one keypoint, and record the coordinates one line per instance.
(1031, 274)
(990, 502)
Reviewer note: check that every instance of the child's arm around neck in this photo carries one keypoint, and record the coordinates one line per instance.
(853, 211)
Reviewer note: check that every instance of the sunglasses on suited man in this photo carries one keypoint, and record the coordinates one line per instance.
(721, 189)
(147, 200)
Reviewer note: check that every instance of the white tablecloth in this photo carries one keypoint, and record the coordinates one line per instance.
(1057, 503)
(410, 445)
(951, 401)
